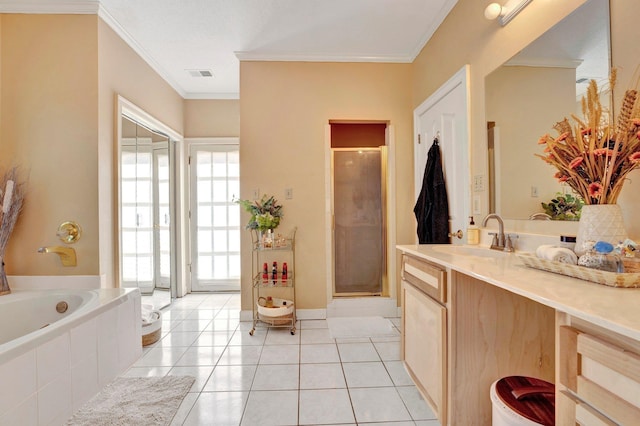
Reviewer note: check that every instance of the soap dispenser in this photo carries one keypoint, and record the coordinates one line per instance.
(473, 233)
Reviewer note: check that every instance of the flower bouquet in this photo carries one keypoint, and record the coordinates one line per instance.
(265, 214)
(12, 196)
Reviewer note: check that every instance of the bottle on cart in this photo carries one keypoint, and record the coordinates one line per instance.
(265, 273)
(274, 272)
(285, 273)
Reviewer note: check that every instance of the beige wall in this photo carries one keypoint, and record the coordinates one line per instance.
(284, 109)
(211, 118)
(485, 45)
(122, 72)
(49, 127)
(525, 102)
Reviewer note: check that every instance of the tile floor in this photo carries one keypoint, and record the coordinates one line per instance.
(275, 378)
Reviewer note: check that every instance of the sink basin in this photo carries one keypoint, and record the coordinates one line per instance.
(470, 251)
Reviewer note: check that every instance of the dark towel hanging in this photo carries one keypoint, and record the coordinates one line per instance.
(432, 207)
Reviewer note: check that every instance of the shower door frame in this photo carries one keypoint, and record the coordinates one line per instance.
(385, 291)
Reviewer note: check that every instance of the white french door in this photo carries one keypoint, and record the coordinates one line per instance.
(215, 218)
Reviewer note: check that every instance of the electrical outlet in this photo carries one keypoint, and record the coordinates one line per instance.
(288, 193)
(256, 193)
(534, 191)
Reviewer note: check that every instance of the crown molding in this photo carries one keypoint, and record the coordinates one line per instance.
(543, 63)
(211, 95)
(87, 7)
(294, 57)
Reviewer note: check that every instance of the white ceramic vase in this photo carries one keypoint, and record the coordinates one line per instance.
(600, 222)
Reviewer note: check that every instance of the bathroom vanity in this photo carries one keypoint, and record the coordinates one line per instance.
(471, 315)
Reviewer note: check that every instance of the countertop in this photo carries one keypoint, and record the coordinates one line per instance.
(616, 309)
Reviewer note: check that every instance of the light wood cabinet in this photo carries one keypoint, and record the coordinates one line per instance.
(598, 377)
(424, 331)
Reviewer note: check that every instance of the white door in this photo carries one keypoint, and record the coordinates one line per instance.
(215, 217)
(445, 115)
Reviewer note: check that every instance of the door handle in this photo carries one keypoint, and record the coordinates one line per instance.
(457, 234)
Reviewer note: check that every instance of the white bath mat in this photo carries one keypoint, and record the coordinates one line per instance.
(350, 327)
(135, 401)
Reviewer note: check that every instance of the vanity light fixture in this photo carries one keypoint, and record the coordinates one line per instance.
(507, 12)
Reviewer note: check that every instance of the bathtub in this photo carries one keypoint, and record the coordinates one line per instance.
(52, 362)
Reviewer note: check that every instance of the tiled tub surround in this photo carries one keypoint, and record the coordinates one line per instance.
(274, 378)
(49, 373)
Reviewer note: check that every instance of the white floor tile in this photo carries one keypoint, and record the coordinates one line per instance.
(322, 376)
(200, 355)
(161, 357)
(240, 355)
(184, 409)
(280, 354)
(276, 377)
(315, 335)
(325, 406)
(366, 374)
(417, 406)
(427, 423)
(282, 336)
(201, 374)
(378, 405)
(356, 352)
(180, 338)
(319, 353)
(220, 324)
(388, 351)
(201, 314)
(217, 408)
(398, 373)
(271, 408)
(242, 337)
(226, 378)
(214, 338)
(146, 372)
(191, 325)
(307, 324)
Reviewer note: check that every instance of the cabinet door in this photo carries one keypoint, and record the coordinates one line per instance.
(424, 322)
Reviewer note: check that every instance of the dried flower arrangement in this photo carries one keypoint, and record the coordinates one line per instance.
(12, 196)
(594, 156)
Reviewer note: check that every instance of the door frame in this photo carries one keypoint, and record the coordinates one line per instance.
(190, 226)
(459, 79)
(389, 303)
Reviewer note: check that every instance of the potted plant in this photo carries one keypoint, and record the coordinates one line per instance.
(265, 213)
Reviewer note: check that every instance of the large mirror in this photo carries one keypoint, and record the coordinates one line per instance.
(145, 212)
(526, 96)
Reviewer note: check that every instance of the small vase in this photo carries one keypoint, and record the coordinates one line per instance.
(266, 238)
(600, 222)
(4, 284)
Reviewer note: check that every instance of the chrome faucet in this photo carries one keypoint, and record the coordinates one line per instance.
(498, 242)
(67, 254)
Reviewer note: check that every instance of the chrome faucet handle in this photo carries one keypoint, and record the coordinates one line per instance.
(494, 241)
(508, 245)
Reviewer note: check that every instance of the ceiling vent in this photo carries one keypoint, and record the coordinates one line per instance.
(582, 80)
(200, 73)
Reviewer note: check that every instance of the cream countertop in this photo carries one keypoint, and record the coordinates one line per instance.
(616, 309)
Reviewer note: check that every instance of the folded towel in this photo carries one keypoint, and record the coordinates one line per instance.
(557, 254)
(541, 251)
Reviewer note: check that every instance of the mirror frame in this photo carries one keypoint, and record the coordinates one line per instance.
(129, 110)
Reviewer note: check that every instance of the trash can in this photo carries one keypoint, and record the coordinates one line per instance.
(522, 401)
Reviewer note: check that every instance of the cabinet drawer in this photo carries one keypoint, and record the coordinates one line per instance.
(426, 276)
(600, 373)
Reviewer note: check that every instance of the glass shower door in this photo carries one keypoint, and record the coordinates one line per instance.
(359, 233)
